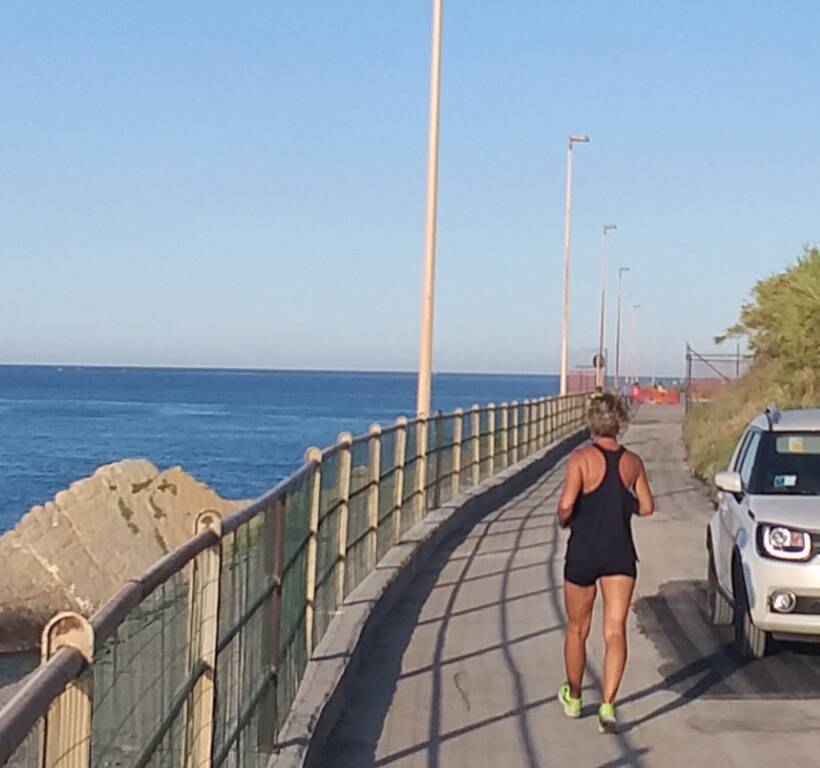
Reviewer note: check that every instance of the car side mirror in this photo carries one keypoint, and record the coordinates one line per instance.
(729, 482)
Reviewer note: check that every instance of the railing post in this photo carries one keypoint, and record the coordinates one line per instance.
(475, 443)
(504, 435)
(399, 461)
(536, 424)
(491, 439)
(542, 422)
(374, 459)
(551, 420)
(273, 554)
(525, 437)
(514, 432)
(562, 415)
(66, 733)
(312, 454)
(458, 436)
(203, 631)
(534, 437)
(420, 496)
(343, 515)
(439, 427)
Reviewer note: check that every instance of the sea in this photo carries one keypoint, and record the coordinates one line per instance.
(240, 431)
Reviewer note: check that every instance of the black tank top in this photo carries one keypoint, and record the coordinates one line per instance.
(601, 521)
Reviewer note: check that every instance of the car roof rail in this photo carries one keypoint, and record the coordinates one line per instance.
(772, 415)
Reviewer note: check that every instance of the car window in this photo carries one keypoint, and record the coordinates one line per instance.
(748, 461)
(744, 441)
(788, 463)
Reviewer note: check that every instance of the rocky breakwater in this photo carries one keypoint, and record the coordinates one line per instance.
(74, 552)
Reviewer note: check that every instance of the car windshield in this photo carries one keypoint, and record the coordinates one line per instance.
(788, 463)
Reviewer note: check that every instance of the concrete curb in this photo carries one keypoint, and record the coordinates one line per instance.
(332, 668)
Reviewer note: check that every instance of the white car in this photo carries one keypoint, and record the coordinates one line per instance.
(763, 540)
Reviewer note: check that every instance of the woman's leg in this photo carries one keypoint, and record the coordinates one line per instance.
(578, 601)
(617, 592)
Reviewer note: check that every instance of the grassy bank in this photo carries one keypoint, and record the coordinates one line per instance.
(782, 325)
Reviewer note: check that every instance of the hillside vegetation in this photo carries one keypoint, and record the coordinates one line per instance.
(782, 325)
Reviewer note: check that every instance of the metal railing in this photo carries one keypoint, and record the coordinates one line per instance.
(196, 663)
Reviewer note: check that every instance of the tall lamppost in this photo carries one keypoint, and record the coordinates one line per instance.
(426, 340)
(573, 138)
(600, 359)
(621, 271)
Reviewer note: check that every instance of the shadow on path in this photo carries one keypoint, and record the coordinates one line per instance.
(354, 741)
(700, 662)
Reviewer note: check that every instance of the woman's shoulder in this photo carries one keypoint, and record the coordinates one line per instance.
(583, 452)
(631, 458)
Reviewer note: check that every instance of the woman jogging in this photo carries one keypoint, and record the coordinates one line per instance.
(605, 485)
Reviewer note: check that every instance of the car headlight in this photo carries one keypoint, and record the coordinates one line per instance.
(783, 543)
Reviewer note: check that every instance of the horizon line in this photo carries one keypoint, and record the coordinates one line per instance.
(297, 369)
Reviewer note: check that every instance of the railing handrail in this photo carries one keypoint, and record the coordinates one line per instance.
(32, 701)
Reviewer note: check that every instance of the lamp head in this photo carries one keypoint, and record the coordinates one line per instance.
(581, 138)
(608, 227)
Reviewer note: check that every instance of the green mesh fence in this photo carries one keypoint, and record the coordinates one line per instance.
(358, 562)
(327, 550)
(293, 652)
(388, 508)
(243, 667)
(138, 671)
(443, 464)
(499, 437)
(27, 755)
(523, 431)
(412, 467)
(467, 459)
(484, 443)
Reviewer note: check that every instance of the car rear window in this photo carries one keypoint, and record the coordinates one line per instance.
(788, 463)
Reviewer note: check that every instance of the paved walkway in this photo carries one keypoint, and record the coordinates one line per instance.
(466, 667)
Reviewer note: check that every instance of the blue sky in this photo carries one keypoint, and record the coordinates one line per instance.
(243, 184)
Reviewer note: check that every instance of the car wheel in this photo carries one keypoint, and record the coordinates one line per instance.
(719, 608)
(751, 642)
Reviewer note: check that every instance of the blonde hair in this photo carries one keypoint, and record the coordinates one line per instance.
(606, 415)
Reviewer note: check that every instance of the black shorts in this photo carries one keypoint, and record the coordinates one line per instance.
(585, 574)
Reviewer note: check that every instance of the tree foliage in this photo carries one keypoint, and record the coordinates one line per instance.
(782, 321)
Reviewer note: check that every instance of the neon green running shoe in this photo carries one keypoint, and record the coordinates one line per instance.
(607, 721)
(572, 706)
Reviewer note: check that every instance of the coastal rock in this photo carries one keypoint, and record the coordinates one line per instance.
(74, 552)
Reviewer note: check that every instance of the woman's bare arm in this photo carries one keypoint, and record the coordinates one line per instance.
(573, 484)
(646, 503)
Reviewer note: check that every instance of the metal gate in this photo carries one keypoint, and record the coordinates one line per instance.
(708, 373)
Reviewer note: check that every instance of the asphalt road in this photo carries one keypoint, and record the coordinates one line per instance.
(465, 669)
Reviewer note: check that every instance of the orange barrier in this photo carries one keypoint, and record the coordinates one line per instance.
(656, 396)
